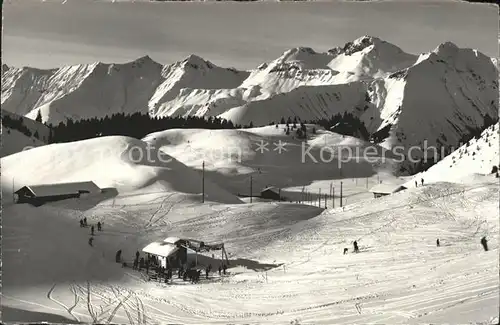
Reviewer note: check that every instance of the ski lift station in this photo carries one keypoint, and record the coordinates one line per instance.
(176, 250)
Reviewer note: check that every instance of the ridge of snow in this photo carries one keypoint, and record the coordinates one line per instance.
(32, 125)
(14, 141)
(478, 156)
(113, 161)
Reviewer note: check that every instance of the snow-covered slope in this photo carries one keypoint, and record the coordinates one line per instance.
(446, 91)
(306, 102)
(436, 96)
(287, 265)
(124, 163)
(233, 156)
(478, 156)
(33, 126)
(14, 141)
(20, 133)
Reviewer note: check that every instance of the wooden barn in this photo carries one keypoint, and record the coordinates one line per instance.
(271, 193)
(386, 189)
(43, 193)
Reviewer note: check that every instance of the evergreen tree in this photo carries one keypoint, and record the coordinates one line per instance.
(39, 117)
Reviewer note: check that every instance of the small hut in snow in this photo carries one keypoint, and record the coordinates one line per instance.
(386, 189)
(43, 193)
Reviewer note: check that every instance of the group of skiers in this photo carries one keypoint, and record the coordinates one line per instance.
(84, 224)
(165, 272)
(484, 243)
(355, 248)
(421, 181)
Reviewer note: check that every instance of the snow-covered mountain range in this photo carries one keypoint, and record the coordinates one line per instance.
(436, 96)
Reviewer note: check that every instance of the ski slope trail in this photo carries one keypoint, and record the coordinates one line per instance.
(287, 261)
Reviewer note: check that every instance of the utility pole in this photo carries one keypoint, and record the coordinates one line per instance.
(319, 199)
(250, 188)
(333, 197)
(341, 194)
(326, 199)
(203, 182)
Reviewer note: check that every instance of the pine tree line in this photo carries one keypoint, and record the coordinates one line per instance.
(136, 125)
(18, 124)
(346, 124)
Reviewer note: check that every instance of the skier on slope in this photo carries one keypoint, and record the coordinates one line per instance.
(91, 239)
(422, 180)
(99, 226)
(437, 243)
(356, 249)
(92, 230)
(118, 256)
(484, 242)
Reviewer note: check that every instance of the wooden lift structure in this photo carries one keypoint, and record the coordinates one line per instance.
(200, 246)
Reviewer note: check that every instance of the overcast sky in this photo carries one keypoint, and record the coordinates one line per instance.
(243, 35)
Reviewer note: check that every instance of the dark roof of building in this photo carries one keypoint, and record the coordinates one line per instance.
(387, 188)
(270, 188)
(42, 190)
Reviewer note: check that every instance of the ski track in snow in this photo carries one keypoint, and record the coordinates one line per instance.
(68, 309)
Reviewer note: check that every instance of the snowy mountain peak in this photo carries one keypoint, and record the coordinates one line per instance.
(194, 61)
(297, 51)
(358, 45)
(301, 58)
(448, 89)
(146, 59)
(446, 49)
(368, 40)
